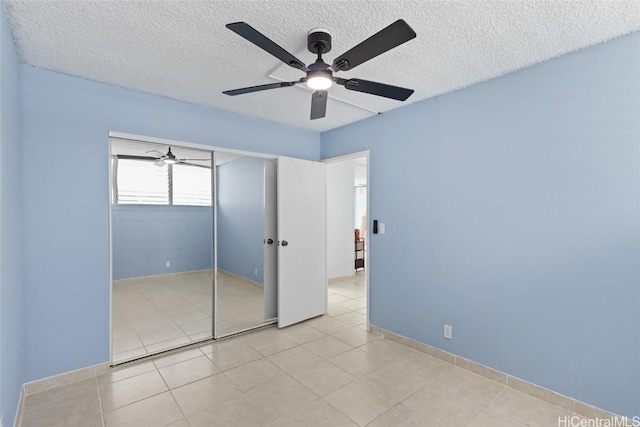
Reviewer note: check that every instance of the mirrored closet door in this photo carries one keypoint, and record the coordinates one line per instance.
(246, 244)
(196, 251)
(161, 248)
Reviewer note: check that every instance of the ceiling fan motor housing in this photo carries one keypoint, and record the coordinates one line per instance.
(319, 38)
(320, 74)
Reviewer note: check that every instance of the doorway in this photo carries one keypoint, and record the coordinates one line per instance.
(348, 238)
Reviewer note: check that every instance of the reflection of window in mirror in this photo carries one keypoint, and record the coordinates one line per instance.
(191, 185)
(140, 182)
(144, 182)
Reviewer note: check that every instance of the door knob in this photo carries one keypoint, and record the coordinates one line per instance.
(285, 243)
(269, 241)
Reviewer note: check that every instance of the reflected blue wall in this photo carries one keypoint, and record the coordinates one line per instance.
(241, 218)
(146, 237)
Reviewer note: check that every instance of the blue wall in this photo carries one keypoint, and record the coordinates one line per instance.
(241, 217)
(513, 214)
(10, 228)
(512, 211)
(65, 204)
(145, 237)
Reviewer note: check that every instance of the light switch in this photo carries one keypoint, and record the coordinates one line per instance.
(381, 228)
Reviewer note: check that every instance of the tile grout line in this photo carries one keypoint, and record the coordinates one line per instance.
(496, 396)
(170, 391)
(104, 422)
(339, 411)
(362, 378)
(184, 416)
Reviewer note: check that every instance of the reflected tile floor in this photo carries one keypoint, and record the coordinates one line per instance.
(327, 371)
(158, 313)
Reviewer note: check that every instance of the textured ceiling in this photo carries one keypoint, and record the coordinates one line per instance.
(182, 50)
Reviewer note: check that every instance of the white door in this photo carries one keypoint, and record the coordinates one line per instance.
(302, 286)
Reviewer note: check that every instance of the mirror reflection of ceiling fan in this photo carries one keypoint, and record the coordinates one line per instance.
(167, 158)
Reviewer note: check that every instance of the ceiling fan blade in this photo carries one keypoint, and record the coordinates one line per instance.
(318, 104)
(250, 89)
(128, 157)
(263, 42)
(392, 36)
(375, 88)
(202, 160)
(193, 164)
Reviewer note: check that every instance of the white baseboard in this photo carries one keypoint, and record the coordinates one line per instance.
(339, 278)
(253, 282)
(557, 399)
(65, 378)
(179, 273)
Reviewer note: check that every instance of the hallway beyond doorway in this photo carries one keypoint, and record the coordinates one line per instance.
(348, 299)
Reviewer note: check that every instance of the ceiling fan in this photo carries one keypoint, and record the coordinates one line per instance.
(320, 74)
(167, 158)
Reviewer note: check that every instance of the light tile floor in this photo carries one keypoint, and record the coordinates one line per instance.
(327, 371)
(158, 313)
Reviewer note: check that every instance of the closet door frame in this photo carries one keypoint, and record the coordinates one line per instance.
(214, 247)
(185, 144)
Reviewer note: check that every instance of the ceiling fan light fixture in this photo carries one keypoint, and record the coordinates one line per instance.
(320, 74)
(170, 158)
(319, 81)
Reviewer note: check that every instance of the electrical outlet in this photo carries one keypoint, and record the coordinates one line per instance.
(168, 264)
(448, 331)
(256, 272)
